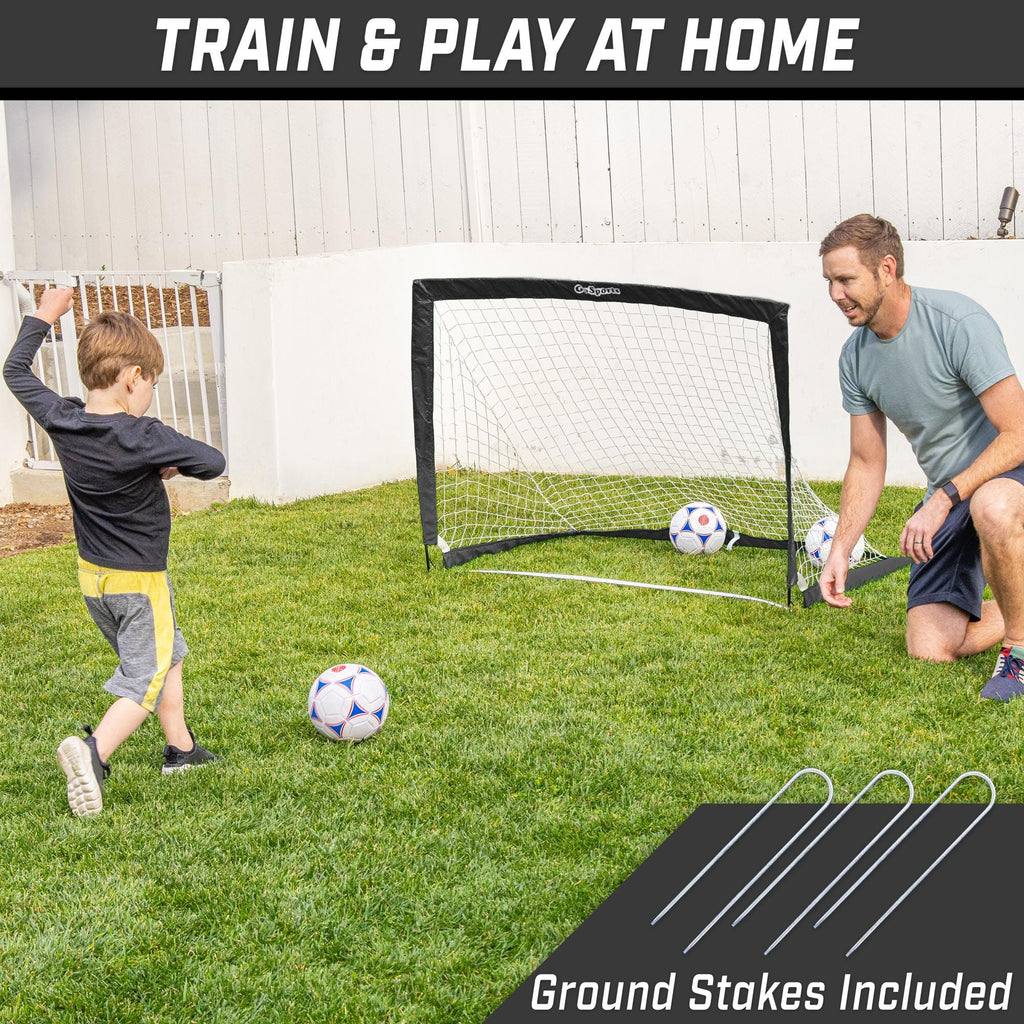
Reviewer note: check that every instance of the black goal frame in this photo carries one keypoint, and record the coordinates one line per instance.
(774, 314)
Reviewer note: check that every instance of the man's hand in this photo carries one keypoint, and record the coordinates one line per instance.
(916, 538)
(832, 581)
(168, 471)
(53, 304)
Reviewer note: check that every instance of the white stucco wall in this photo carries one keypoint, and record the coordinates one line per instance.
(317, 348)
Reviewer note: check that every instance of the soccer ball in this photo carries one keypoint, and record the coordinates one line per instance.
(697, 529)
(348, 702)
(818, 541)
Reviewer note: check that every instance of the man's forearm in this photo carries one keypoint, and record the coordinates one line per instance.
(1006, 451)
(862, 487)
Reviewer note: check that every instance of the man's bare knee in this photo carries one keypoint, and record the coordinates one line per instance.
(996, 508)
(923, 651)
(937, 632)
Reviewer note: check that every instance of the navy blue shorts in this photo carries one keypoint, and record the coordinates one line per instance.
(953, 574)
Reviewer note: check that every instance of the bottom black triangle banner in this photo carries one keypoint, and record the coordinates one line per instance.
(929, 927)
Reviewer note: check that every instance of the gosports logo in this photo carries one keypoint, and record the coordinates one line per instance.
(594, 291)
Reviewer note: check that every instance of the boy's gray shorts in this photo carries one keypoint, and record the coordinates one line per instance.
(135, 612)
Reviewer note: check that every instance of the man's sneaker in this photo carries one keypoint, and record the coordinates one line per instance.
(175, 760)
(1006, 682)
(85, 773)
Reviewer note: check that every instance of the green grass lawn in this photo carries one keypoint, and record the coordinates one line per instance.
(544, 738)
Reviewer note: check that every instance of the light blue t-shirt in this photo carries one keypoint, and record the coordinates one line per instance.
(927, 379)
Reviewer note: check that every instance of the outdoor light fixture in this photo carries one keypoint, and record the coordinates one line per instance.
(1006, 208)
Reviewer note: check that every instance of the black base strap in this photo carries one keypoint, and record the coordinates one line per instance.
(859, 576)
(459, 556)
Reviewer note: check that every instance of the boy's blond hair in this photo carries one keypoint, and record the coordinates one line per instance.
(112, 340)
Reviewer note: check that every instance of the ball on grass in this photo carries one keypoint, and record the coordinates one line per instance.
(348, 702)
(698, 528)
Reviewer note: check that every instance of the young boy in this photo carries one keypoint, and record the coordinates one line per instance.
(115, 459)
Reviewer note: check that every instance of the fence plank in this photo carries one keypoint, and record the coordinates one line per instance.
(387, 169)
(690, 170)
(334, 198)
(821, 147)
(657, 175)
(247, 140)
(478, 184)
(625, 170)
(503, 171)
(594, 171)
(924, 170)
(853, 131)
(124, 251)
(563, 170)
(362, 184)
(225, 155)
(534, 177)
(958, 138)
(788, 164)
(20, 168)
(45, 213)
(146, 174)
(195, 137)
(995, 162)
(175, 206)
(721, 150)
(889, 163)
(753, 146)
(67, 211)
(95, 196)
(447, 173)
(277, 168)
(305, 169)
(70, 194)
(417, 173)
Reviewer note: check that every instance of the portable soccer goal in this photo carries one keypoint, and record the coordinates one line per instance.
(549, 408)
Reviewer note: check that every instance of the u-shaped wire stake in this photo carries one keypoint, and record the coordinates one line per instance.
(924, 874)
(714, 860)
(835, 881)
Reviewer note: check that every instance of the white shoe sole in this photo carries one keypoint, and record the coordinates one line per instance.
(85, 795)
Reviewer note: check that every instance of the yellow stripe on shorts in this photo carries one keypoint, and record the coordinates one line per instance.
(97, 581)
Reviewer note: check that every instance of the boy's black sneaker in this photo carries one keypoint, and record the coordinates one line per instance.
(176, 760)
(85, 772)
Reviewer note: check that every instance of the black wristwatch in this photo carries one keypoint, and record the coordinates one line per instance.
(952, 493)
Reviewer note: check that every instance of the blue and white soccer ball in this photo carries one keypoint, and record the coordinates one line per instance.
(698, 528)
(348, 702)
(818, 541)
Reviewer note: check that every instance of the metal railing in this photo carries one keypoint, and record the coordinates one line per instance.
(183, 311)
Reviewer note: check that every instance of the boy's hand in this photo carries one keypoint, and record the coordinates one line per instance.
(54, 303)
(168, 471)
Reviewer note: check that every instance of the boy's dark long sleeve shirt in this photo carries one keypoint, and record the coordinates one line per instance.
(111, 465)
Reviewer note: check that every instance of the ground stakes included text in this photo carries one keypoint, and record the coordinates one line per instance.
(906, 994)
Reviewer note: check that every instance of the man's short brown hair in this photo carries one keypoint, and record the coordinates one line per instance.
(872, 237)
(112, 340)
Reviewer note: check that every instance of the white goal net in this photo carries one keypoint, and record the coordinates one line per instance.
(563, 408)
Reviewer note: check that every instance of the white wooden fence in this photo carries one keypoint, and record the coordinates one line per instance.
(143, 184)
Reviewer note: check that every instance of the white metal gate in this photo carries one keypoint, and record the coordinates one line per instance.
(183, 311)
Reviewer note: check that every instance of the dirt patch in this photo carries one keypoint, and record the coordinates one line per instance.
(156, 307)
(24, 527)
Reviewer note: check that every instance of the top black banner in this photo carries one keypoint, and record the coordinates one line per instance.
(466, 48)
